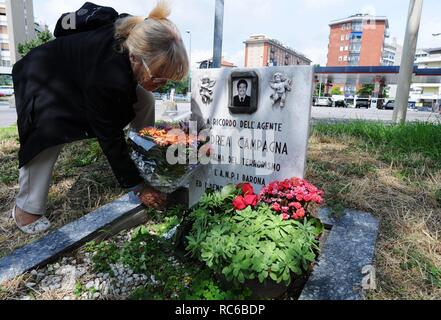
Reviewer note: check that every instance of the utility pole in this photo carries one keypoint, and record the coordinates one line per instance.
(218, 33)
(190, 74)
(407, 63)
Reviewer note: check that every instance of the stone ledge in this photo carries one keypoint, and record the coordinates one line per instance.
(69, 237)
(349, 248)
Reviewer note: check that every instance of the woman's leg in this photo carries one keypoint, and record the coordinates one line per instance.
(35, 179)
(144, 109)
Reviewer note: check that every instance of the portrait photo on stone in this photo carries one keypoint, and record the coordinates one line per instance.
(244, 92)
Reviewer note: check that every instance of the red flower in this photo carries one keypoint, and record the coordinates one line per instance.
(276, 207)
(247, 189)
(251, 200)
(239, 203)
(285, 209)
(285, 217)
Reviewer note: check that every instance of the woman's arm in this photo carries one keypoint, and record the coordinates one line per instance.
(105, 111)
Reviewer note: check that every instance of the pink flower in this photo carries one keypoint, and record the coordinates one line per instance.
(300, 213)
(285, 217)
(276, 207)
(285, 209)
(295, 205)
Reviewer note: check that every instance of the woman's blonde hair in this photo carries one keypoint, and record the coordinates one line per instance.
(156, 40)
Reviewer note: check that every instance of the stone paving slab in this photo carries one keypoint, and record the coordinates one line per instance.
(349, 248)
(68, 237)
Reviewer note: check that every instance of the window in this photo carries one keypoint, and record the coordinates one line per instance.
(341, 48)
(345, 58)
(342, 37)
(347, 36)
(346, 48)
(340, 58)
(343, 26)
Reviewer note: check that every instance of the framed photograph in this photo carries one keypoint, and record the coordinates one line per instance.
(244, 92)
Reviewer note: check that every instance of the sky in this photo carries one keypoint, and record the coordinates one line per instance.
(300, 24)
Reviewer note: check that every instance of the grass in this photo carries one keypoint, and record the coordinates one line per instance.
(393, 172)
(82, 182)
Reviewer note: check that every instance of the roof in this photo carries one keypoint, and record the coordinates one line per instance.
(366, 75)
(360, 16)
(224, 63)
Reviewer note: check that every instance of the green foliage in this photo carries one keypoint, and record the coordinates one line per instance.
(88, 155)
(79, 289)
(413, 259)
(6, 80)
(366, 90)
(181, 87)
(251, 244)
(42, 38)
(336, 91)
(8, 133)
(105, 253)
(150, 254)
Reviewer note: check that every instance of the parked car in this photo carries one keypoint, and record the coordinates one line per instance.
(324, 102)
(340, 104)
(363, 103)
(390, 105)
(6, 91)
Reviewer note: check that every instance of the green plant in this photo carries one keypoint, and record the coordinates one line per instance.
(252, 243)
(79, 289)
(104, 254)
(336, 91)
(42, 38)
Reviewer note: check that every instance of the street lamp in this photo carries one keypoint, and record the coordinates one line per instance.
(189, 77)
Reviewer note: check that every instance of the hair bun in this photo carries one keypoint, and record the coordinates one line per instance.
(161, 11)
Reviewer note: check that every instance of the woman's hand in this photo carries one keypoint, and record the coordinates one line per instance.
(153, 198)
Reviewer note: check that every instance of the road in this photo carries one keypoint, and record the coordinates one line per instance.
(8, 116)
(337, 114)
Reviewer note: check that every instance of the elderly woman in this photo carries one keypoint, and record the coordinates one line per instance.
(86, 85)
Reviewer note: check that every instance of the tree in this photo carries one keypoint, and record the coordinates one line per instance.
(181, 87)
(319, 90)
(336, 91)
(42, 38)
(366, 90)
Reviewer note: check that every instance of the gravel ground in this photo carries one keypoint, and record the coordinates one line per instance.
(73, 278)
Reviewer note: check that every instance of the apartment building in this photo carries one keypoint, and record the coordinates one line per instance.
(357, 41)
(16, 26)
(261, 51)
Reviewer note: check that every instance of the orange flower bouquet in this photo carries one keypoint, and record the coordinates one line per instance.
(166, 155)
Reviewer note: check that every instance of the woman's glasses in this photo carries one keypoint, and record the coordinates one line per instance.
(159, 81)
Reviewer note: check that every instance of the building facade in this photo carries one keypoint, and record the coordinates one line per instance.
(261, 51)
(392, 53)
(16, 26)
(427, 94)
(357, 41)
